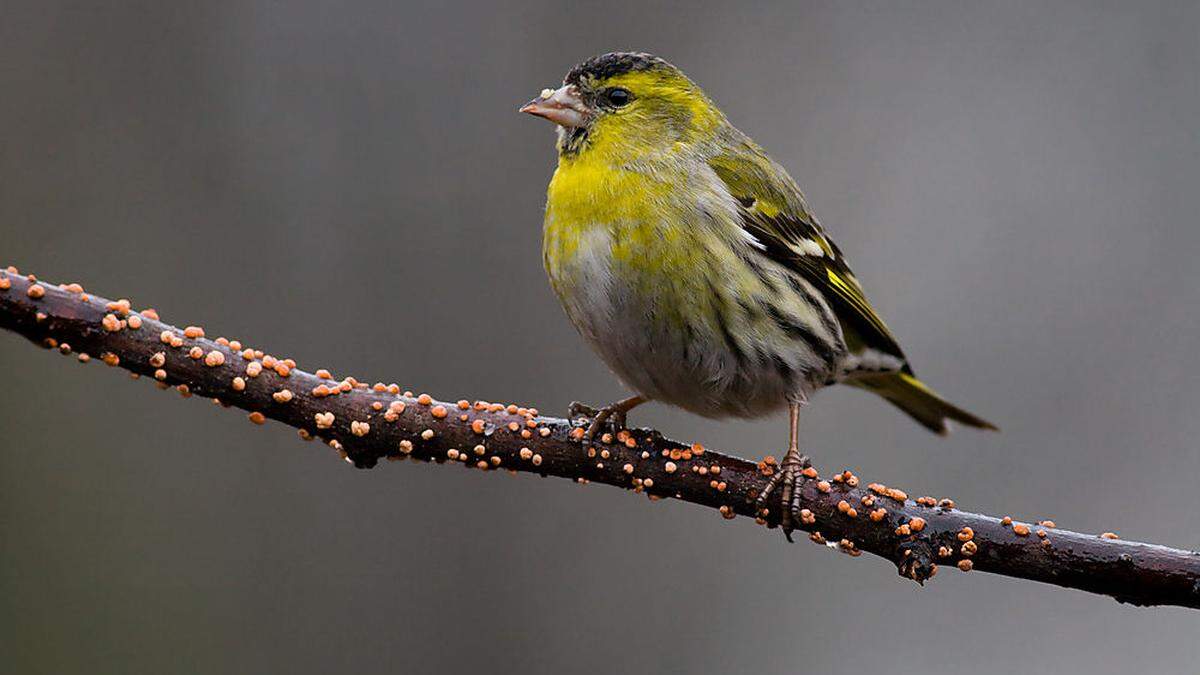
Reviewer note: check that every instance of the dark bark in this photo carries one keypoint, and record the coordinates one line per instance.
(367, 424)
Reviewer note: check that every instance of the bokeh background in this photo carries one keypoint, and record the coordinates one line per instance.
(350, 184)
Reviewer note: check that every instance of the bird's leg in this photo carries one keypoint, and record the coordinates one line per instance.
(614, 414)
(789, 477)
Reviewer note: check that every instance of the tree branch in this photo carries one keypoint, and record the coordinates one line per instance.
(365, 423)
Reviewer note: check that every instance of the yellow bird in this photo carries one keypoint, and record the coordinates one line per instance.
(690, 261)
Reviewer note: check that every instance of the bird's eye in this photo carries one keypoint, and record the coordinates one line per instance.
(617, 97)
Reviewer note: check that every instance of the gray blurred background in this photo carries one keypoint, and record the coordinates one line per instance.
(350, 184)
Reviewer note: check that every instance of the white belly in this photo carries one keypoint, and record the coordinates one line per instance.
(664, 349)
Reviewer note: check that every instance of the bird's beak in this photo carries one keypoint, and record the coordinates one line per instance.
(563, 106)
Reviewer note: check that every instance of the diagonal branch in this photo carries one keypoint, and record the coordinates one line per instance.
(364, 423)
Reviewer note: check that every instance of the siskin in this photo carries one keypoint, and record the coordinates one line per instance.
(690, 261)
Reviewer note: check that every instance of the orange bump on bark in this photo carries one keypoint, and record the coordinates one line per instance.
(193, 332)
(238, 384)
(966, 565)
(478, 426)
(282, 396)
(1109, 535)
(878, 515)
(966, 534)
(360, 428)
(917, 524)
(424, 399)
(214, 359)
(36, 291)
(257, 417)
(253, 368)
(439, 411)
(824, 486)
(1020, 529)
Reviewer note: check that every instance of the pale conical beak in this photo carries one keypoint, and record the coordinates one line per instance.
(563, 106)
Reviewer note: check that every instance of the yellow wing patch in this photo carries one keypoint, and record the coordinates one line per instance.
(853, 294)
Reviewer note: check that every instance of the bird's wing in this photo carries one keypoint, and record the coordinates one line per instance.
(774, 213)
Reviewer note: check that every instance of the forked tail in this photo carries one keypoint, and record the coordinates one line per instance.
(921, 403)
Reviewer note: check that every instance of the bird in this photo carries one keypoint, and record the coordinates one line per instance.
(691, 262)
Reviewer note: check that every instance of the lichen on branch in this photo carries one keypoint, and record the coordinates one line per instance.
(365, 423)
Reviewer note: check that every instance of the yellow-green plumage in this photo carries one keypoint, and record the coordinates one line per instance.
(691, 262)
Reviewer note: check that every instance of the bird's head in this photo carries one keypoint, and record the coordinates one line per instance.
(625, 106)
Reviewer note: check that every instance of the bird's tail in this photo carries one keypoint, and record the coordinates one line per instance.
(921, 403)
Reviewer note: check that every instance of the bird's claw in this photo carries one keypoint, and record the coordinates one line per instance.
(612, 416)
(578, 409)
(787, 480)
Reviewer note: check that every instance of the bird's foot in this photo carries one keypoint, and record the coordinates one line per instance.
(787, 483)
(579, 410)
(612, 416)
